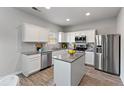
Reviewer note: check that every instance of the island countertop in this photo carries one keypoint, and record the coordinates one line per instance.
(67, 58)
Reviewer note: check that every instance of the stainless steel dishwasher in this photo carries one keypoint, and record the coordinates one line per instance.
(43, 60)
(46, 59)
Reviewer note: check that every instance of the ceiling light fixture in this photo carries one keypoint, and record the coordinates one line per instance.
(87, 14)
(48, 8)
(67, 19)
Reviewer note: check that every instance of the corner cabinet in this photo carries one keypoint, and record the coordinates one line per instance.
(33, 33)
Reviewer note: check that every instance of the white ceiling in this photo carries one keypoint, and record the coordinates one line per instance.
(58, 15)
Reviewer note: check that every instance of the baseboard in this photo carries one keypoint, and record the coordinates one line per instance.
(89, 65)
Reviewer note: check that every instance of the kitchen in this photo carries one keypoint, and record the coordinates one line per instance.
(44, 57)
(46, 50)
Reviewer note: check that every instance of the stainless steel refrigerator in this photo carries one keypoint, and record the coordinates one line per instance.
(107, 54)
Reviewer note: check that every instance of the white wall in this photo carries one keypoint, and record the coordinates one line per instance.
(120, 30)
(104, 26)
(10, 19)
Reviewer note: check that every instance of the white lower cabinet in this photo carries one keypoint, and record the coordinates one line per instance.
(30, 64)
(89, 58)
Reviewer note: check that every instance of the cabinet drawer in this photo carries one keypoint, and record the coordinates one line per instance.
(35, 60)
(34, 56)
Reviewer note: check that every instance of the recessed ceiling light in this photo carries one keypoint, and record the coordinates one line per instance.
(67, 19)
(48, 8)
(87, 14)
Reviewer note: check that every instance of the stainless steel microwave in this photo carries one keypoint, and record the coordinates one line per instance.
(80, 39)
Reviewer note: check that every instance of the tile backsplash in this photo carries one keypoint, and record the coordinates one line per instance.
(27, 47)
(91, 45)
(52, 46)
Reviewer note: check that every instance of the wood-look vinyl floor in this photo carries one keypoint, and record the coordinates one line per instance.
(92, 78)
(98, 78)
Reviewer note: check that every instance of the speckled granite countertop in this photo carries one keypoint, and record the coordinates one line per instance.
(67, 58)
(34, 52)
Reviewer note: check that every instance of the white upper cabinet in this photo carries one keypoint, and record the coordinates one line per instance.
(90, 35)
(43, 35)
(29, 33)
(33, 33)
(68, 37)
(62, 37)
(72, 37)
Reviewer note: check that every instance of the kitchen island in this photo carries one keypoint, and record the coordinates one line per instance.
(68, 70)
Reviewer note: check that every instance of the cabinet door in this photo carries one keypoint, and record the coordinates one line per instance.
(33, 33)
(62, 37)
(72, 35)
(30, 33)
(91, 36)
(43, 35)
(34, 65)
(65, 35)
(68, 37)
(89, 58)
